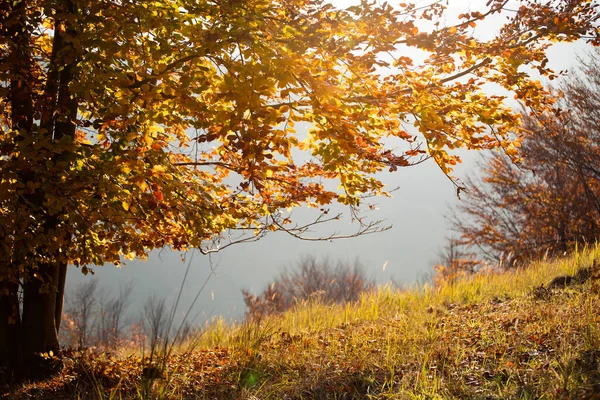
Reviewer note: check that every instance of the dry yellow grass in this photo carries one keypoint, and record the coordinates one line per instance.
(490, 336)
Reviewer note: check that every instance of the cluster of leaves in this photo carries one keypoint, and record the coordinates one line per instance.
(487, 337)
(551, 200)
(310, 280)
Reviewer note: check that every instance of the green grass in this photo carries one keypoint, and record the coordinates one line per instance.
(484, 337)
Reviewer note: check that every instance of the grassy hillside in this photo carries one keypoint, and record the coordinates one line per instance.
(493, 336)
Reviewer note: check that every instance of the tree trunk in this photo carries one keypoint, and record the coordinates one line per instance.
(9, 325)
(40, 333)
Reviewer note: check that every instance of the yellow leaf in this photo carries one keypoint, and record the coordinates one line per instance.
(158, 169)
(511, 150)
(125, 205)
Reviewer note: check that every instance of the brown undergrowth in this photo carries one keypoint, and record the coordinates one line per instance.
(490, 336)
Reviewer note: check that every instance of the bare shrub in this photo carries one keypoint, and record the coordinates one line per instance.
(78, 323)
(156, 320)
(455, 262)
(340, 283)
(110, 321)
(96, 317)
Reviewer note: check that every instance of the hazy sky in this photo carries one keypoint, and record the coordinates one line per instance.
(416, 212)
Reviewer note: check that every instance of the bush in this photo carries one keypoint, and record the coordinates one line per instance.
(340, 283)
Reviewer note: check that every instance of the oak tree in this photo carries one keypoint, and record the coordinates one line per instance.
(128, 125)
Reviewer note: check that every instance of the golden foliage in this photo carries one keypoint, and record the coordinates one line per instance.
(129, 126)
